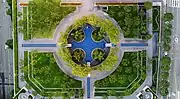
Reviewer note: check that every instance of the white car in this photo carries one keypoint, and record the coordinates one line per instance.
(176, 39)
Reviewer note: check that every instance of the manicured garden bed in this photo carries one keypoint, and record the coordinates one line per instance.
(15, 46)
(113, 35)
(156, 18)
(45, 77)
(132, 20)
(126, 78)
(45, 16)
(25, 23)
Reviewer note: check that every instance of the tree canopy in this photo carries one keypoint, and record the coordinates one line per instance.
(45, 16)
(168, 17)
(9, 43)
(148, 5)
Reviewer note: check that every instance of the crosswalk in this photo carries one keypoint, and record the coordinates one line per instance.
(173, 3)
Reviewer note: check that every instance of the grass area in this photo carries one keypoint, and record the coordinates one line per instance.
(25, 36)
(15, 45)
(45, 16)
(123, 79)
(156, 18)
(44, 72)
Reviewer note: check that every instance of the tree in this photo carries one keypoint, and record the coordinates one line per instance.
(9, 43)
(78, 55)
(147, 5)
(167, 40)
(164, 75)
(168, 17)
(9, 12)
(128, 70)
(165, 68)
(165, 60)
(98, 54)
(19, 14)
(168, 26)
(164, 84)
(164, 91)
(167, 47)
(127, 8)
(167, 32)
(148, 36)
(111, 92)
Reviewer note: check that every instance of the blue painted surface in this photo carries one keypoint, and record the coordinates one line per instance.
(134, 44)
(155, 44)
(88, 44)
(88, 87)
(38, 45)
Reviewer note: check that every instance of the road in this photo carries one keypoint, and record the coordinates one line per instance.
(6, 55)
(175, 68)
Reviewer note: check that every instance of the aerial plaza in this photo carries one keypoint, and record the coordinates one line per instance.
(74, 57)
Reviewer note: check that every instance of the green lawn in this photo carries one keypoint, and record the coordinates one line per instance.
(25, 23)
(45, 16)
(15, 45)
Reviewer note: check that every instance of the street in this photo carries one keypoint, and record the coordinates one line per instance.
(6, 55)
(175, 68)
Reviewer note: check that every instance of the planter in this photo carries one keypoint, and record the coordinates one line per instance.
(78, 55)
(77, 35)
(98, 36)
(96, 62)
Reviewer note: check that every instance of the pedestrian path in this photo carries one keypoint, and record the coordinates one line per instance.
(132, 45)
(173, 3)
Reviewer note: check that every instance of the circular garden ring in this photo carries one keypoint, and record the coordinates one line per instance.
(112, 35)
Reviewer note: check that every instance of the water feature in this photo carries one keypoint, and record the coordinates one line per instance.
(88, 44)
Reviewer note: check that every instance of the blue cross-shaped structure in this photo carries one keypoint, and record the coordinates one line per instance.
(88, 44)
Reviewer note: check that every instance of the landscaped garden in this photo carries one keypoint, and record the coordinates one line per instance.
(164, 75)
(41, 71)
(168, 17)
(44, 75)
(45, 16)
(129, 75)
(156, 18)
(132, 20)
(103, 57)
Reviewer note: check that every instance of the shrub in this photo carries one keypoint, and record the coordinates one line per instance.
(168, 17)
(147, 5)
(98, 54)
(78, 55)
(78, 35)
(98, 34)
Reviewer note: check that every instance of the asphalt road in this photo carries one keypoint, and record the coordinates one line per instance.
(6, 55)
(175, 68)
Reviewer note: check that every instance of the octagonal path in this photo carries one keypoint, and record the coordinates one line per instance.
(88, 44)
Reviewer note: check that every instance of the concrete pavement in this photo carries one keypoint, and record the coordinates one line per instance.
(6, 55)
(175, 68)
